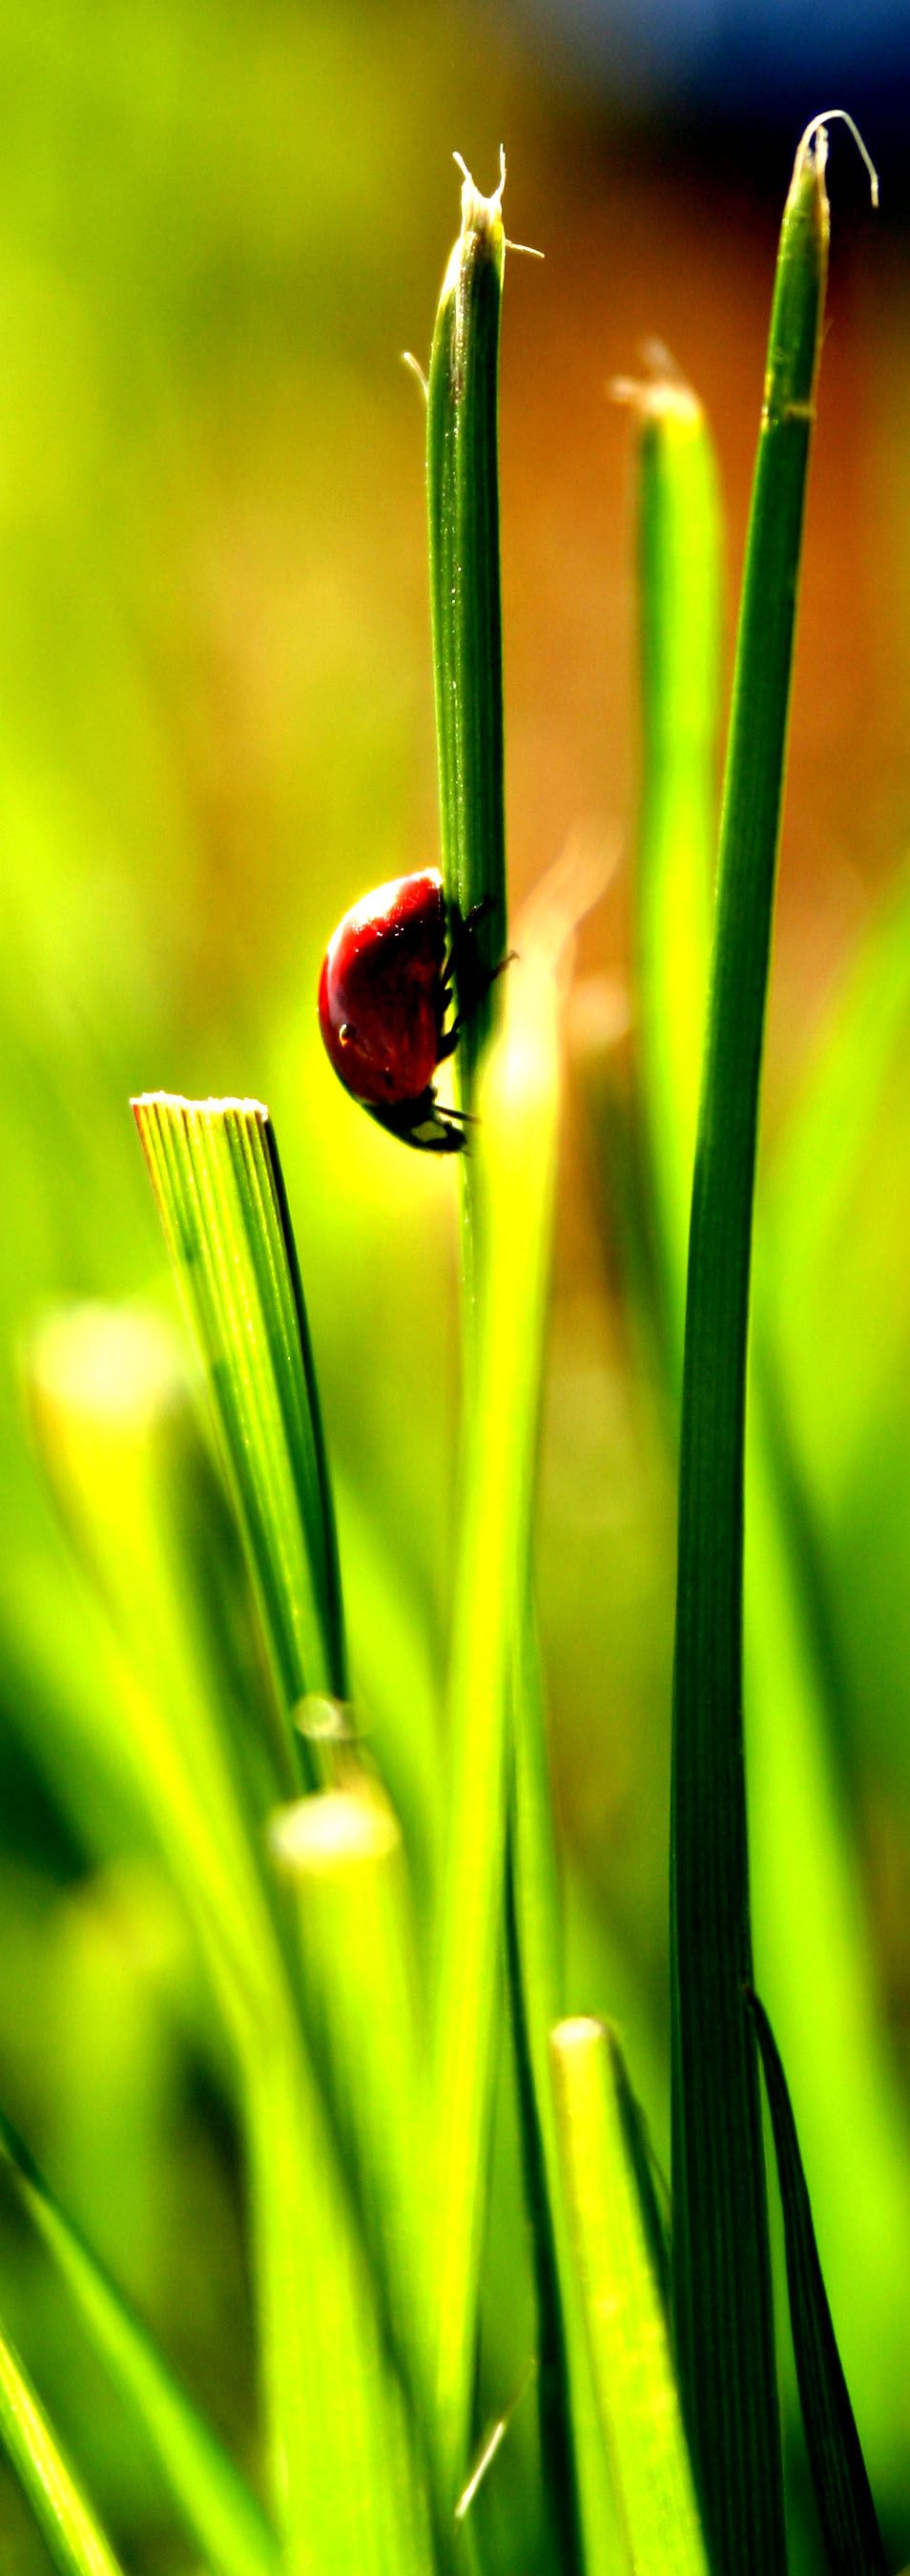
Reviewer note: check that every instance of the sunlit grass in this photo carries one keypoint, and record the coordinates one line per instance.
(374, 1991)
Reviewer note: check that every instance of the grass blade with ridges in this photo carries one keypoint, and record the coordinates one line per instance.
(67, 2524)
(217, 2505)
(624, 2309)
(842, 2491)
(217, 1180)
(109, 1434)
(721, 2260)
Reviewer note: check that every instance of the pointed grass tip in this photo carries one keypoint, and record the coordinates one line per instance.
(814, 145)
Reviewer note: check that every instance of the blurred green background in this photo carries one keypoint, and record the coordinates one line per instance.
(219, 226)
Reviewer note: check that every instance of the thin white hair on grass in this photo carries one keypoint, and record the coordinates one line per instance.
(479, 213)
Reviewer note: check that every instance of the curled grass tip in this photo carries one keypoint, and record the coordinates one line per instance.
(813, 145)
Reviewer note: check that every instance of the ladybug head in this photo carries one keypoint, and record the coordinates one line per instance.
(423, 1123)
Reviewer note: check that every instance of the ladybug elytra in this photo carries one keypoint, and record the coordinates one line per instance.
(385, 992)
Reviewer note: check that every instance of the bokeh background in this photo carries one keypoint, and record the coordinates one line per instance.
(221, 222)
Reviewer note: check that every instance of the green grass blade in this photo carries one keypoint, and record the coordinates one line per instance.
(340, 1857)
(122, 1448)
(842, 2491)
(463, 500)
(106, 1407)
(66, 2522)
(513, 1180)
(215, 2501)
(626, 2319)
(350, 2498)
(721, 2262)
(823, 1985)
(535, 1967)
(217, 1180)
(679, 591)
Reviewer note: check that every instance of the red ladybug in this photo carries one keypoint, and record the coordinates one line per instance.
(384, 995)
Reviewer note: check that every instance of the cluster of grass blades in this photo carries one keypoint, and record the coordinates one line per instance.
(368, 2028)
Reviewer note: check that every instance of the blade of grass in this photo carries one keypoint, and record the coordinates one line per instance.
(217, 1180)
(463, 499)
(216, 2503)
(842, 2491)
(679, 591)
(581, 2512)
(339, 1854)
(513, 1179)
(108, 1432)
(823, 1983)
(534, 1959)
(721, 2261)
(67, 2524)
(626, 2321)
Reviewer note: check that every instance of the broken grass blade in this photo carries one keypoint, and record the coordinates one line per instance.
(721, 2260)
(217, 2506)
(842, 2492)
(624, 2310)
(463, 502)
(217, 1179)
(66, 2522)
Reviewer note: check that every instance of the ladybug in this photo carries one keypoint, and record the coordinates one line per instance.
(385, 991)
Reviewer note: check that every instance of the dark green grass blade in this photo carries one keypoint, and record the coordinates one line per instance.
(217, 1180)
(842, 2491)
(721, 2261)
(463, 501)
(67, 2524)
(216, 2504)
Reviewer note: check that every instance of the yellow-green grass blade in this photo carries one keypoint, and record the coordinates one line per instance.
(121, 1447)
(463, 502)
(217, 2506)
(107, 1411)
(679, 573)
(834, 1115)
(624, 2310)
(721, 2259)
(66, 2521)
(581, 2512)
(843, 2495)
(814, 1952)
(513, 1156)
(535, 1965)
(339, 1855)
(350, 2496)
(217, 1180)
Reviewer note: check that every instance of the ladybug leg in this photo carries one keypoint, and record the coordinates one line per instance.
(463, 970)
(424, 1123)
